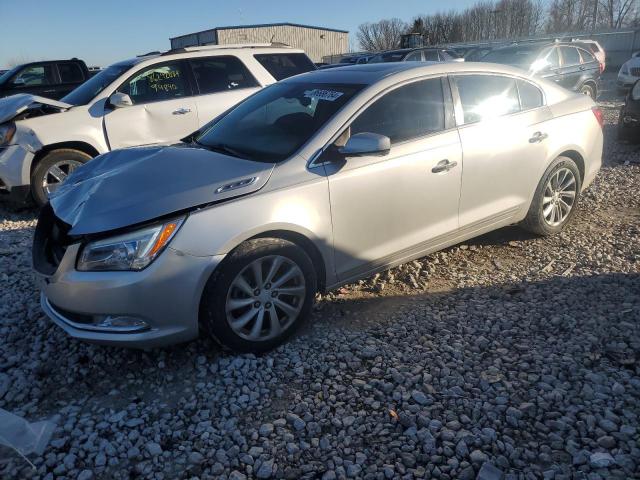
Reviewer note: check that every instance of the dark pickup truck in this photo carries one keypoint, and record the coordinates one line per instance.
(52, 78)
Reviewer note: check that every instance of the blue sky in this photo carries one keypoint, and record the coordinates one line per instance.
(102, 32)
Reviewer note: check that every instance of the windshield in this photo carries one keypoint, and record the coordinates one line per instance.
(517, 56)
(274, 123)
(8, 74)
(92, 87)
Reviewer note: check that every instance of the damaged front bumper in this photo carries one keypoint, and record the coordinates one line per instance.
(15, 167)
(154, 307)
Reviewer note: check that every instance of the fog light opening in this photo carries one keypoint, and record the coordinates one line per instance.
(122, 323)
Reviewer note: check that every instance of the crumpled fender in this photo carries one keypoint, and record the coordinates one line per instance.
(135, 185)
(14, 105)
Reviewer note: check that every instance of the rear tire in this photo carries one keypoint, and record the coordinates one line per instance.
(548, 213)
(247, 314)
(52, 170)
(590, 90)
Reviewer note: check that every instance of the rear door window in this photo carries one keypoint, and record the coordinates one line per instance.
(285, 65)
(486, 96)
(410, 111)
(221, 74)
(570, 56)
(70, 73)
(160, 82)
(530, 95)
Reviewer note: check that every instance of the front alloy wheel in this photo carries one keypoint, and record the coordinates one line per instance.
(265, 298)
(259, 295)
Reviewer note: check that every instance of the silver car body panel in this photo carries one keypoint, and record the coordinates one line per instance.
(166, 295)
(131, 186)
(369, 212)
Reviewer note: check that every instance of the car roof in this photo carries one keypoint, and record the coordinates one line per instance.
(211, 50)
(370, 73)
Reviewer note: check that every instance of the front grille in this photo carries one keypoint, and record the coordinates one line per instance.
(50, 241)
(635, 71)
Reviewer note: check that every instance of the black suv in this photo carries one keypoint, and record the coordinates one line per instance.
(415, 55)
(51, 79)
(568, 65)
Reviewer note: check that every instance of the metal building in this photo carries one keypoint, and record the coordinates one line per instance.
(317, 42)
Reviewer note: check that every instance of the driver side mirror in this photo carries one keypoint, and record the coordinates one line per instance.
(18, 82)
(366, 143)
(120, 100)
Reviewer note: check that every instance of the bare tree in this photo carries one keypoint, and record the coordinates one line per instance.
(617, 13)
(382, 35)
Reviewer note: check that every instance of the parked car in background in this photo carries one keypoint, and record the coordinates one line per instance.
(595, 48)
(51, 79)
(568, 65)
(476, 54)
(158, 98)
(629, 119)
(311, 183)
(629, 72)
(350, 60)
(415, 55)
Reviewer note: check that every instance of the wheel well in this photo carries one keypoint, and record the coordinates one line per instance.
(81, 146)
(308, 246)
(576, 157)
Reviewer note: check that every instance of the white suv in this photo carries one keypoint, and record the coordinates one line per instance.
(155, 98)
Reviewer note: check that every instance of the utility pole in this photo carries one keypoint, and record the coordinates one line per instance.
(595, 15)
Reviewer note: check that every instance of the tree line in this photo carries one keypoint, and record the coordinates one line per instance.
(502, 19)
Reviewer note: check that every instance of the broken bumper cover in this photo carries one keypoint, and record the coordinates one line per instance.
(15, 168)
(155, 307)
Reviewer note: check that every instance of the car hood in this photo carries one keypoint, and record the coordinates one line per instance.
(131, 186)
(631, 63)
(16, 104)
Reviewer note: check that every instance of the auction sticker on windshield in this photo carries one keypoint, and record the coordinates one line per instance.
(329, 95)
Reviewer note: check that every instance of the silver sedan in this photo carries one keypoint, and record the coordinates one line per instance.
(311, 183)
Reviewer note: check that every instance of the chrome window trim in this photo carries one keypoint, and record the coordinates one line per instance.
(311, 163)
(459, 113)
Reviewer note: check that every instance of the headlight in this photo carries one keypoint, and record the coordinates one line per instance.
(130, 251)
(6, 133)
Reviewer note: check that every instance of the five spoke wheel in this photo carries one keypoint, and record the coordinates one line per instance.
(58, 173)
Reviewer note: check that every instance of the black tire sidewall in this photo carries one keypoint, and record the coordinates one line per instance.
(37, 192)
(212, 306)
(593, 93)
(535, 219)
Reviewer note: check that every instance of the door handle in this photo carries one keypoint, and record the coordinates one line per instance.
(538, 137)
(444, 166)
(181, 111)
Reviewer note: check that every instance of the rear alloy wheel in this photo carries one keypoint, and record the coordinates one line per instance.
(555, 198)
(259, 295)
(52, 170)
(588, 90)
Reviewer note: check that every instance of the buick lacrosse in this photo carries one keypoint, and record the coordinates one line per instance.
(310, 183)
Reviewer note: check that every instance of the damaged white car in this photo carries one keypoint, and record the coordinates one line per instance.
(155, 98)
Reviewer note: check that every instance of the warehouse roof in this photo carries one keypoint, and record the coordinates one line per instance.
(264, 25)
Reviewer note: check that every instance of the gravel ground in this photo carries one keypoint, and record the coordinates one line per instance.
(508, 353)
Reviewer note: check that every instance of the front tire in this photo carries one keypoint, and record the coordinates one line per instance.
(555, 199)
(259, 295)
(52, 170)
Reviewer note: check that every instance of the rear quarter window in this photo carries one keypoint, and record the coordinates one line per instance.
(285, 65)
(530, 95)
(221, 74)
